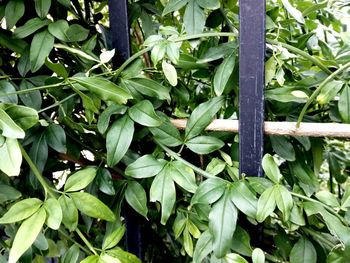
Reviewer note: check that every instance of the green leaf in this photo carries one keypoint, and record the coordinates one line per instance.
(70, 212)
(158, 52)
(105, 258)
(23, 67)
(241, 242)
(113, 238)
(59, 29)
(218, 52)
(40, 48)
(39, 152)
(284, 201)
(8, 193)
(344, 104)
(5, 88)
(13, 12)
(80, 179)
(24, 117)
(30, 27)
(183, 176)
(91, 259)
(170, 73)
(303, 252)
(203, 247)
(91, 206)
(187, 242)
(222, 224)
(104, 181)
(77, 52)
(266, 204)
(174, 5)
(234, 258)
(21, 210)
(194, 18)
(118, 139)
(258, 256)
(329, 91)
(204, 144)
(298, 16)
(72, 254)
(244, 199)
(283, 147)
(123, 256)
(42, 7)
(103, 120)
(58, 68)
(209, 4)
(271, 168)
(76, 33)
(26, 234)
(209, 191)
(167, 133)
(104, 89)
(201, 117)
(327, 198)
(223, 73)
(144, 167)
(56, 138)
(270, 70)
(163, 190)
(144, 114)
(135, 195)
(149, 88)
(31, 99)
(11, 157)
(54, 213)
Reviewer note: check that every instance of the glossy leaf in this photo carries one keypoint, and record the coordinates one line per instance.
(194, 18)
(266, 204)
(173, 5)
(135, 195)
(329, 91)
(42, 7)
(13, 12)
(118, 139)
(104, 119)
(244, 199)
(204, 144)
(344, 104)
(59, 29)
(104, 89)
(223, 73)
(40, 48)
(76, 33)
(21, 210)
(8, 193)
(70, 212)
(24, 117)
(271, 169)
(113, 238)
(303, 252)
(144, 114)
(91, 259)
(30, 27)
(39, 151)
(170, 73)
(183, 176)
(58, 68)
(166, 133)
(56, 138)
(163, 191)
(5, 88)
(80, 179)
(203, 247)
(144, 167)
(149, 88)
(298, 16)
(209, 191)
(54, 213)
(201, 117)
(72, 254)
(105, 182)
(124, 256)
(30, 99)
(283, 147)
(284, 201)
(11, 157)
(26, 234)
(91, 206)
(222, 224)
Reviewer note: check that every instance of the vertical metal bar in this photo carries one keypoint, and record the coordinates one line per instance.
(120, 31)
(251, 83)
(120, 38)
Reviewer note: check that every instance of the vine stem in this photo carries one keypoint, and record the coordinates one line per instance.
(57, 103)
(318, 90)
(33, 89)
(47, 188)
(75, 242)
(177, 157)
(88, 244)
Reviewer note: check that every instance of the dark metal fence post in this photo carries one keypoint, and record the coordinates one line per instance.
(120, 38)
(251, 82)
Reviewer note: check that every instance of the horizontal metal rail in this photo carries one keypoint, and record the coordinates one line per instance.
(336, 130)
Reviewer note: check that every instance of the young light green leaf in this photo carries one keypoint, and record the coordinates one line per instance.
(149, 88)
(327, 198)
(9, 128)
(124, 256)
(183, 176)
(118, 139)
(40, 48)
(11, 157)
(104, 89)
(170, 73)
(271, 168)
(174, 5)
(303, 252)
(244, 199)
(329, 91)
(344, 104)
(284, 201)
(91, 259)
(105, 258)
(204, 144)
(42, 7)
(201, 117)
(80, 179)
(283, 147)
(24, 117)
(163, 190)
(144, 114)
(91, 206)
(203, 247)
(194, 18)
(144, 167)
(179, 224)
(209, 191)
(158, 52)
(223, 73)
(209, 4)
(54, 213)
(135, 195)
(298, 16)
(266, 204)
(113, 238)
(30, 27)
(72, 254)
(56, 137)
(270, 70)
(13, 12)
(234, 258)
(26, 234)
(222, 224)
(187, 242)
(258, 256)
(70, 212)
(21, 210)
